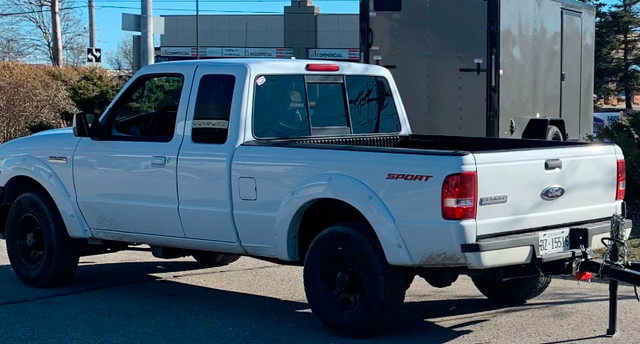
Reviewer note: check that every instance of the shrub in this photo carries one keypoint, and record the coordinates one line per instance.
(93, 90)
(625, 135)
(35, 98)
(28, 94)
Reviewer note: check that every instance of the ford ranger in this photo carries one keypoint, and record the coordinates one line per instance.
(310, 163)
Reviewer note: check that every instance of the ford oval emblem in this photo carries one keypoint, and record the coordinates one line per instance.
(552, 193)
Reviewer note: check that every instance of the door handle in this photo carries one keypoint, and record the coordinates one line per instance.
(158, 161)
(552, 164)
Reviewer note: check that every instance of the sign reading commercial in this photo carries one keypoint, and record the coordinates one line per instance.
(283, 53)
(334, 54)
(178, 51)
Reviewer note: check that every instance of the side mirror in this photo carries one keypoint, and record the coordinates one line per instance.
(84, 124)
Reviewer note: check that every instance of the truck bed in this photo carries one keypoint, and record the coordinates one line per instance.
(425, 144)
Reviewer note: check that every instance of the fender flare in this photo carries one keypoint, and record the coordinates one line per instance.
(36, 169)
(350, 191)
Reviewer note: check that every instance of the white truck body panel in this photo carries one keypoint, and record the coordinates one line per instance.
(130, 186)
(522, 177)
(247, 195)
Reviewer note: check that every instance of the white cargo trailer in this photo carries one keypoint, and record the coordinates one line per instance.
(496, 68)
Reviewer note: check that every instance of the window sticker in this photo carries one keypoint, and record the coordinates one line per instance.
(261, 80)
(210, 123)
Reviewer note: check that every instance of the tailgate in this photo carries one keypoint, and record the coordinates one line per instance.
(579, 184)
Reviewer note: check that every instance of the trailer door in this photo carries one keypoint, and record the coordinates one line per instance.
(571, 72)
(437, 53)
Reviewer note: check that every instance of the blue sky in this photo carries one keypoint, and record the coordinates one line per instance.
(109, 13)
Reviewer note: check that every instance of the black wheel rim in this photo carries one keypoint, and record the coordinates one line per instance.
(342, 281)
(30, 241)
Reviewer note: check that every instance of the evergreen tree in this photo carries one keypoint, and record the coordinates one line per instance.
(616, 48)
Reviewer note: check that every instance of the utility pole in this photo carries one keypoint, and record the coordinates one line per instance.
(92, 24)
(57, 36)
(147, 33)
(197, 30)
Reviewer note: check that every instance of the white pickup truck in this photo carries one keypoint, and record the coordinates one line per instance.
(310, 163)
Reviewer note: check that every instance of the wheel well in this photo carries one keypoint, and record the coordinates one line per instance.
(14, 188)
(320, 214)
(537, 128)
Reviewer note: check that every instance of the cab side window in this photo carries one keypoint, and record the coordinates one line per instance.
(213, 108)
(147, 111)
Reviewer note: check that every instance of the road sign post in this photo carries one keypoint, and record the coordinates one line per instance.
(94, 55)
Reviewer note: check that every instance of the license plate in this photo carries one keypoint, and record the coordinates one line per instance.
(554, 241)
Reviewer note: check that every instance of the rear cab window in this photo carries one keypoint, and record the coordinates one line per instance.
(290, 106)
(213, 108)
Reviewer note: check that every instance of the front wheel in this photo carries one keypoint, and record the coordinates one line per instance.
(512, 291)
(349, 284)
(39, 248)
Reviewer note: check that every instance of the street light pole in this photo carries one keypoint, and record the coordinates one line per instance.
(57, 36)
(147, 32)
(197, 29)
(92, 25)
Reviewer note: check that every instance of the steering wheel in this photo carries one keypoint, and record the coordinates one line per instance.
(163, 121)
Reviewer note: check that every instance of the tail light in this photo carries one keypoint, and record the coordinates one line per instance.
(322, 67)
(622, 180)
(459, 196)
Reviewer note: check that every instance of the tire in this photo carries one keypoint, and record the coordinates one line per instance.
(349, 284)
(214, 259)
(39, 248)
(554, 134)
(512, 291)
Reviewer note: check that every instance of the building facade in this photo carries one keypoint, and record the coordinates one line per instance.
(300, 32)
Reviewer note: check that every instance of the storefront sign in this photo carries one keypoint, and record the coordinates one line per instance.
(334, 54)
(283, 53)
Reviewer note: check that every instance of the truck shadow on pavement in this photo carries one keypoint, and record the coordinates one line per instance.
(129, 302)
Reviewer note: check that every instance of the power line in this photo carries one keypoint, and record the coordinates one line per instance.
(39, 11)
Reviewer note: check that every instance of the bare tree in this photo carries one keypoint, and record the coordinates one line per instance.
(33, 18)
(12, 47)
(122, 58)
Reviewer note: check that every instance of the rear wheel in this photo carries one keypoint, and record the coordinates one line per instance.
(213, 259)
(349, 284)
(39, 248)
(512, 291)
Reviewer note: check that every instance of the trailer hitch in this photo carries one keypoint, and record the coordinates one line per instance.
(614, 266)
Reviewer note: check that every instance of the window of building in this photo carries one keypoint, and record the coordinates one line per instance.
(213, 108)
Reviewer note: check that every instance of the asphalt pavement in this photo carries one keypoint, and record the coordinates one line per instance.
(131, 297)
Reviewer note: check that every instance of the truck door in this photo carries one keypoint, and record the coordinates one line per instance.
(571, 72)
(204, 186)
(126, 180)
(437, 53)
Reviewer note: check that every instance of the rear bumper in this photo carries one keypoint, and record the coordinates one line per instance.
(524, 248)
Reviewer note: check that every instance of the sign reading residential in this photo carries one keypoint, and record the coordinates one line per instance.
(334, 54)
(94, 55)
(283, 53)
